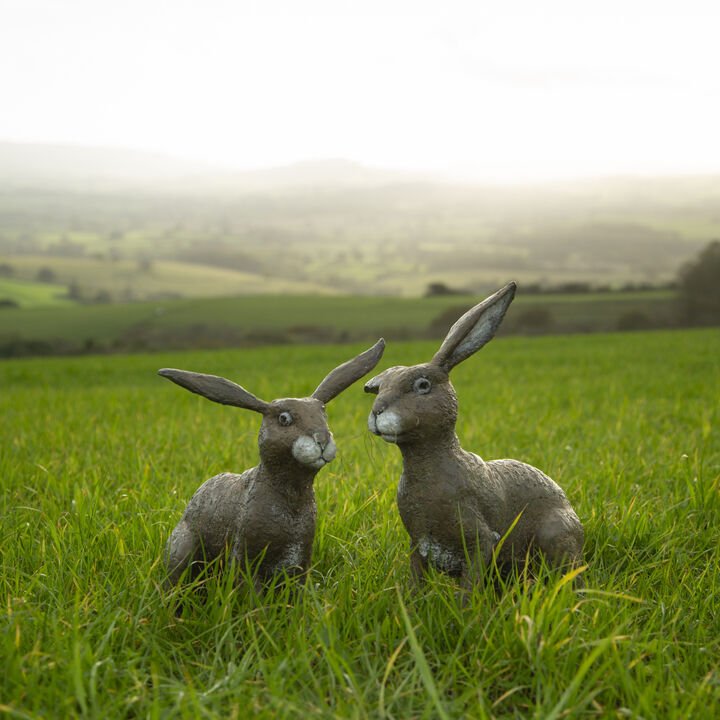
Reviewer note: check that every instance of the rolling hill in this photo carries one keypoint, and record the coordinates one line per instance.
(336, 226)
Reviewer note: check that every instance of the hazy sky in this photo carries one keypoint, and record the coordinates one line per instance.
(500, 89)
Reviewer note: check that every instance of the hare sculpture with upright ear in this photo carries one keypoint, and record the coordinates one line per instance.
(455, 506)
(264, 517)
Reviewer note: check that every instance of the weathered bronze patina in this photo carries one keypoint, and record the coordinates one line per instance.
(265, 517)
(455, 506)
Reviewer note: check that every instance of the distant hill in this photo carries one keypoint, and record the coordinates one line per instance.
(44, 165)
(49, 164)
(337, 226)
(334, 172)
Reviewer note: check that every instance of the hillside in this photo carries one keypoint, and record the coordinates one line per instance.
(346, 228)
(98, 279)
(92, 169)
(281, 320)
(44, 165)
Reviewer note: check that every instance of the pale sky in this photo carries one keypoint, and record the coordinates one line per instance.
(490, 89)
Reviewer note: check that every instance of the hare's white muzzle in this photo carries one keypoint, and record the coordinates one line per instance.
(386, 424)
(312, 452)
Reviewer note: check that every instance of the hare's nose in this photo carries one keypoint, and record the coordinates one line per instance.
(323, 439)
(379, 409)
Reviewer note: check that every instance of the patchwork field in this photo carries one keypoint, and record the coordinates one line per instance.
(30, 295)
(391, 236)
(142, 280)
(99, 457)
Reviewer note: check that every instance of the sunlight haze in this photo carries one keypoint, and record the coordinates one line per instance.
(480, 90)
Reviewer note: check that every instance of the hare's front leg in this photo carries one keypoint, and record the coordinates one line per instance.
(418, 568)
(478, 557)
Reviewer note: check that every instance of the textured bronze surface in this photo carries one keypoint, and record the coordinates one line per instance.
(264, 517)
(454, 505)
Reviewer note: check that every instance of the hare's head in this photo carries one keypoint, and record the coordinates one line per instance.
(417, 403)
(293, 430)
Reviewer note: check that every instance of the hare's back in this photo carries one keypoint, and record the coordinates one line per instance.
(542, 511)
(525, 485)
(219, 501)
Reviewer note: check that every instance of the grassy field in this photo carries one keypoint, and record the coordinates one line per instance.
(253, 319)
(33, 294)
(99, 457)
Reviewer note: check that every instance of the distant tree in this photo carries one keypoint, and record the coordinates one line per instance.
(45, 275)
(6, 270)
(634, 320)
(573, 288)
(6, 303)
(440, 324)
(439, 288)
(536, 319)
(74, 292)
(102, 297)
(699, 287)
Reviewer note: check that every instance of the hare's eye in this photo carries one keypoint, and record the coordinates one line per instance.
(422, 385)
(285, 418)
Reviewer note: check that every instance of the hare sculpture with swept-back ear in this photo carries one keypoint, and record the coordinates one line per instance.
(265, 516)
(455, 506)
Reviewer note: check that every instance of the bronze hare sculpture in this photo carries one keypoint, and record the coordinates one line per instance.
(455, 506)
(265, 516)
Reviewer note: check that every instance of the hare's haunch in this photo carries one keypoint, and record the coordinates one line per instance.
(455, 506)
(265, 516)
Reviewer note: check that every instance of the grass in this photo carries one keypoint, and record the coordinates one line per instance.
(99, 457)
(33, 295)
(277, 312)
(281, 317)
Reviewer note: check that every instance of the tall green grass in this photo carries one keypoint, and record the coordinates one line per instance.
(99, 457)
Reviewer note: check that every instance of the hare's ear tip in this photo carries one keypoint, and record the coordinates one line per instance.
(507, 292)
(172, 373)
(374, 353)
(372, 386)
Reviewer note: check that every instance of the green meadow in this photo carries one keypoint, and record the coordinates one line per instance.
(98, 457)
(263, 319)
(29, 295)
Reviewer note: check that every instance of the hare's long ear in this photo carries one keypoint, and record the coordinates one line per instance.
(346, 374)
(215, 388)
(476, 327)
